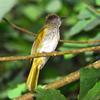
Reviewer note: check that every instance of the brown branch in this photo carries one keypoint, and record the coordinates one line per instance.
(27, 96)
(64, 81)
(70, 78)
(13, 58)
(19, 28)
(61, 82)
(81, 42)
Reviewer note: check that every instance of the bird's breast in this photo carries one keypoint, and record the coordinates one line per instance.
(50, 41)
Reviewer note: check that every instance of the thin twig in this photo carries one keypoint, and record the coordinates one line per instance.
(19, 28)
(13, 58)
(81, 42)
(92, 9)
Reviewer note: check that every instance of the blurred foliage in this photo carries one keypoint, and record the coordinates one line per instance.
(5, 7)
(51, 94)
(17, 91)
(93, 93)
(82, 23)
(91, 77)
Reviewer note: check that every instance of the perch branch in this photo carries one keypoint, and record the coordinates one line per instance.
(13, 58)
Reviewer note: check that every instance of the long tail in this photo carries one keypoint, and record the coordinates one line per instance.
(34, 74)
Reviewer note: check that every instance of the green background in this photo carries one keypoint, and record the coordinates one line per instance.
(81, 23)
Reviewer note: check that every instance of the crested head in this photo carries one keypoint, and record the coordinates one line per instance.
(53, 19)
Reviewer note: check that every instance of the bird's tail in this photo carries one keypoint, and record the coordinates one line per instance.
(33, 74)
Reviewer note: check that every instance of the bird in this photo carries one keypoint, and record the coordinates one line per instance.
(46, 41)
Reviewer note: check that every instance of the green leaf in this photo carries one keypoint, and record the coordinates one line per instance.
(5, 6)
(54, 6)
(51, 94)
(97, 37)
(32, 12)
(92, 24)
(80, 6)
(85, 13)
(98, 2)
(17, 91)
(94, 93)
(81, 25)
(69, 56)
(88, 78)
(78, 27)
